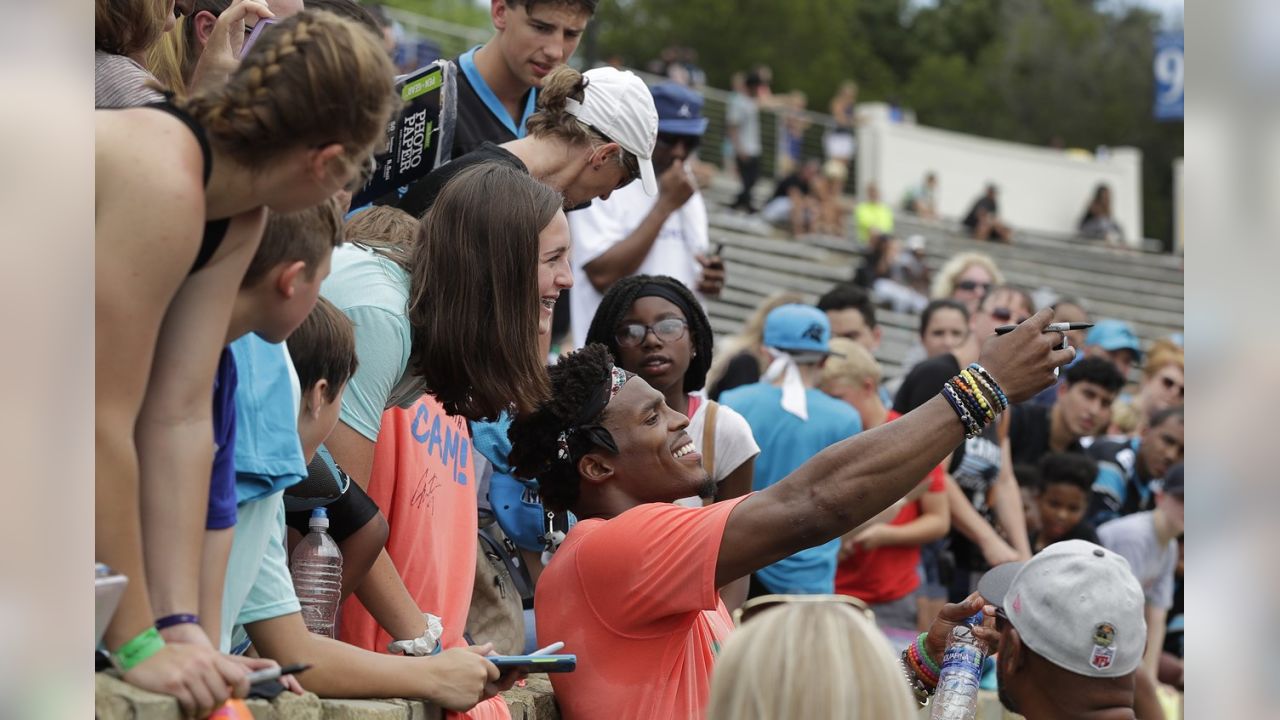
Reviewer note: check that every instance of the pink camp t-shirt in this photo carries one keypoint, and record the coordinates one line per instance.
(635, 599)
(423, 480)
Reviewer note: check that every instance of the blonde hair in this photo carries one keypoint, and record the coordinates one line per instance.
(165, 59)
(944, 283)
(1125, 417)
(850, 362)
(809, 660)
(127, 27)
(1160, 357)
(312, 80)
(752, 336)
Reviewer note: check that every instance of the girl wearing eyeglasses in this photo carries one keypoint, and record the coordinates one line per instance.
(655, 327)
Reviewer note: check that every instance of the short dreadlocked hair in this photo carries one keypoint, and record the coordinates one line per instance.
(535, 436)
(618, 300)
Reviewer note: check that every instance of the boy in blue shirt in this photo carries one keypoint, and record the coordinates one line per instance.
(793, 421)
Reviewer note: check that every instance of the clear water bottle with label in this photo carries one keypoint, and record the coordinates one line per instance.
(957, 695)
(317, 575)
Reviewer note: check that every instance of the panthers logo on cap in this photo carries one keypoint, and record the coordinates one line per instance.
(1104, 636)
(814, 333)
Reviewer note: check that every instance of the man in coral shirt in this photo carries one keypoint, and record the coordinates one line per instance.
(633, 589)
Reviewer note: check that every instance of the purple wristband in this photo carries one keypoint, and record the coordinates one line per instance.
(169, 621)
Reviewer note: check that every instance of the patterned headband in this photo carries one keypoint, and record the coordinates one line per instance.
(617, 378)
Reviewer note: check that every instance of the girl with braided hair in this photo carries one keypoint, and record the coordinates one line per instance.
(295, 123)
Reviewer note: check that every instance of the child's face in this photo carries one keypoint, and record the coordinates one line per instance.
(315, 425)
(1061, 508)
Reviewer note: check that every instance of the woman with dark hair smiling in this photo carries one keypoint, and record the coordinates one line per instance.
(460, 318)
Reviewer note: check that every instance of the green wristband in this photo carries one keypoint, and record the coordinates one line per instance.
(924, 653)
(147, 643)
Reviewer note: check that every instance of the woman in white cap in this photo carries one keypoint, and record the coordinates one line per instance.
(594, 133)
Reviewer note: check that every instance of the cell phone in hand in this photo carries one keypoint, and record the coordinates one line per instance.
(263, 24)
(535, 663)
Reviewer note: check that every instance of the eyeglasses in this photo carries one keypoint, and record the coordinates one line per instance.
(357, 183)
(690, 142)
(757, 605)
(971, 285)
(1004, 314)
(666, 330)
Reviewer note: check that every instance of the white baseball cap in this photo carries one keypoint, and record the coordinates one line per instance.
(1076, 604)
(619, 106)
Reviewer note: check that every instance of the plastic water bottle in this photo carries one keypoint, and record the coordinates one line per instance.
(317, 575)
(956, 697)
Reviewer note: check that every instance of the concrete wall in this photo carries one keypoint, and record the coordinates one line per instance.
(1041, 189)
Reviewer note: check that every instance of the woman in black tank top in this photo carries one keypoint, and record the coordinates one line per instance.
(182, 191)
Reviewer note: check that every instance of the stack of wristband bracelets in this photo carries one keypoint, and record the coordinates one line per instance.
(976, 397)
(148, 642)
(921, 671)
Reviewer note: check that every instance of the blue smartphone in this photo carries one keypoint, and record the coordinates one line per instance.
(535, 663)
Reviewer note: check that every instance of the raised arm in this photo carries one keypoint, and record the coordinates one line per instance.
(853, 480)
(675, 188)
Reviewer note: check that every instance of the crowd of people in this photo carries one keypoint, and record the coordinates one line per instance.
(264, 348)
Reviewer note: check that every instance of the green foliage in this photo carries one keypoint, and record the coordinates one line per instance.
(1023, 70)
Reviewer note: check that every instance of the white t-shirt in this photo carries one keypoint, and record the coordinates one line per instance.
(598, 228)
(734, 442)
(1134, 538)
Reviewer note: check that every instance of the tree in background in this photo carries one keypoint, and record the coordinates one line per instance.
(1024, 70)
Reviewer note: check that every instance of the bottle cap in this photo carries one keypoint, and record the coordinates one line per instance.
(974, 620)
(319, 518)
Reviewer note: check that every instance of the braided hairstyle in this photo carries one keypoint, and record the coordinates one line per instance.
(535, 436)
(617, 301)
(311, 80)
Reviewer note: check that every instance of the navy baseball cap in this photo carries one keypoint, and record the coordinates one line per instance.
(1112, 335)
(798, 329)
(679, 109)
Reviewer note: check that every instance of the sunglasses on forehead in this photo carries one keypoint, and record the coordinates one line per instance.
(971, 285)
(757, 605)
(1004, 314)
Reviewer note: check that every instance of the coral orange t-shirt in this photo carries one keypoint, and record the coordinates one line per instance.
(635, 599)
(887, 573)
(423, 480)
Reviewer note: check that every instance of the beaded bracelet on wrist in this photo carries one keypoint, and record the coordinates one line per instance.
(982, 372)
(971, 427)
(967, 395)
(976, 391)
(923, 653)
